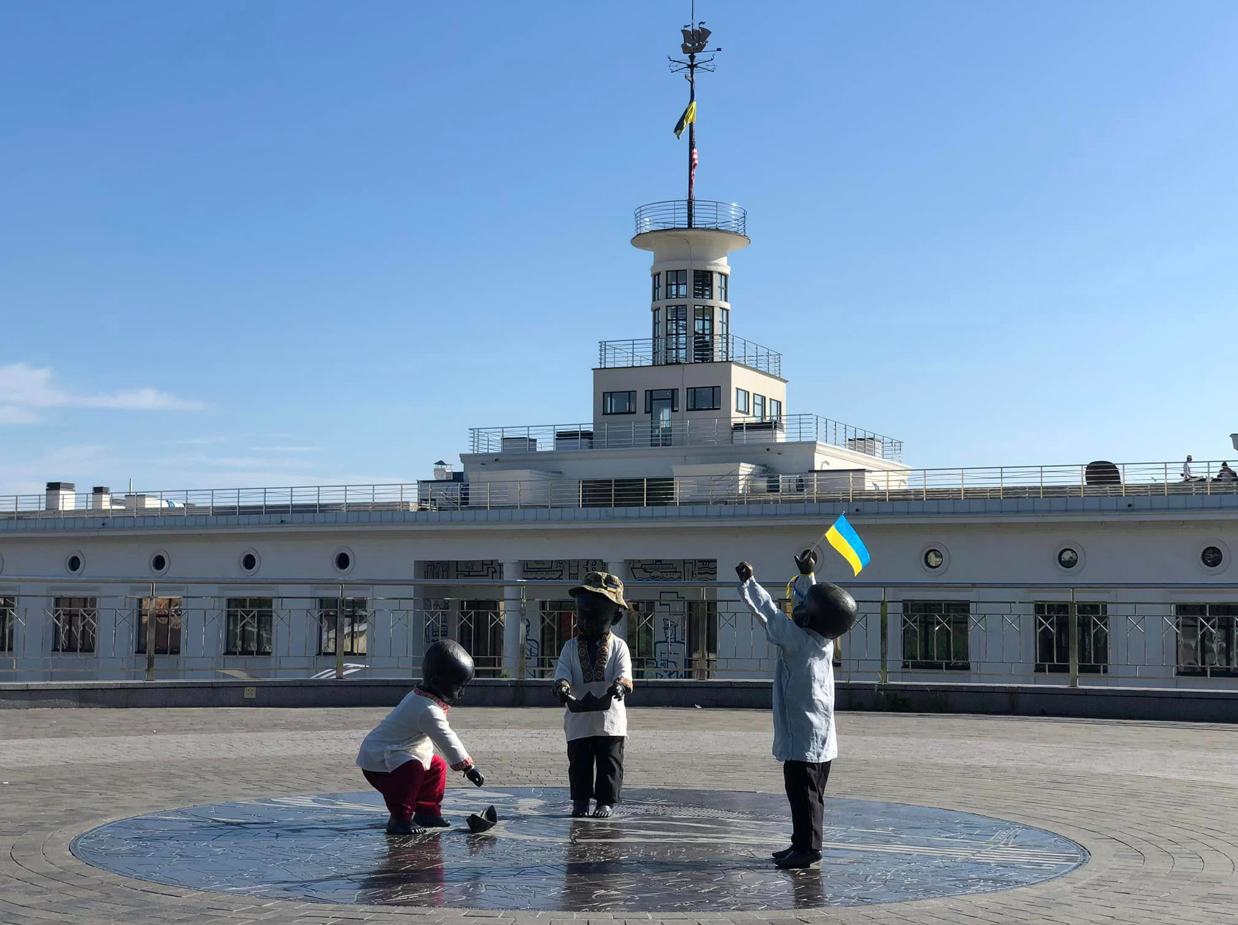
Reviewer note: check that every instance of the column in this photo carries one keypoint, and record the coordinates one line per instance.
(619, 568)
(511, 620)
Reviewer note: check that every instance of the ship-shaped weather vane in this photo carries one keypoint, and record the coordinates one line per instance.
(695, 40)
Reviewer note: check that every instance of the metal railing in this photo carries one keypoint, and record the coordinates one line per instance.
(1135, 480)
(1145, 634)
(697, 213)
(675, 349)
(694, 431)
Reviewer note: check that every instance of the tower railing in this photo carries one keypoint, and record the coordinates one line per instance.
(699, 213)
(688, 348)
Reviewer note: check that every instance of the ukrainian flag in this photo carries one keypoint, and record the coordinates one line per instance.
(689, 114)
(842, 537)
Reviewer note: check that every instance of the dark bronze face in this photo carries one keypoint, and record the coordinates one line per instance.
(595, 614)
(445, 689)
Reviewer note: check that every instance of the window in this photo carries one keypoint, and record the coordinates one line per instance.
(742, 403)
(249, 561)
(703, 334)
(159, 562)
(1206, 640)
(657, 287)
(168, 625)
(75, 622)
(342, 561)
(676, 346)
(353, 629)
(724, 334)
(676, 284)
(758, 407)
(618, 403)
(1053, 637)
(702, 284)
(724, 285)
(705, 399)
(775, 409)
(1212, 557)
(249, 626)
(73, 563)
(1067, 558)
(934, 558)
(657, 336)
(935, 634)
(8, 624)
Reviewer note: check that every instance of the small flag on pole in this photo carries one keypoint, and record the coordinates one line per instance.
(842, 537)
(689, 114)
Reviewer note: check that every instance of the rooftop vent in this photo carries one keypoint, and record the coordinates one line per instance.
(100, 498)
(60, 496)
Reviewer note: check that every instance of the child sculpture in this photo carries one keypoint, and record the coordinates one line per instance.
(804, 739)
(397, 757)
(592, 678)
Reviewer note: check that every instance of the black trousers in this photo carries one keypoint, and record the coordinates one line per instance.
(805, 783)
(606, 754)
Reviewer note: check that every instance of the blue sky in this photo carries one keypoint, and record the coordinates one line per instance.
(271, 243)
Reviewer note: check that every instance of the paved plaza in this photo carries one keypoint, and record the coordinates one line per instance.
(1154, 805)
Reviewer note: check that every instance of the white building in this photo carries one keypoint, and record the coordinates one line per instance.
(693, 457)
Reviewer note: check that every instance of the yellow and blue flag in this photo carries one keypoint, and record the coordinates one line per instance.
(689, 114)
(842, 537)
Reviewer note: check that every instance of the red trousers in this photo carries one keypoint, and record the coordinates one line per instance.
(411, 788)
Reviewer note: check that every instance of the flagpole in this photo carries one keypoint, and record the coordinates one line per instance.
(691, 146)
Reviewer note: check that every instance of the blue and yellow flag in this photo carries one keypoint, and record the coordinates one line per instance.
(842, 537)
(689, 114)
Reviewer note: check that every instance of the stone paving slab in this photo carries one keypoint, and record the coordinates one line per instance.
(1155, 804)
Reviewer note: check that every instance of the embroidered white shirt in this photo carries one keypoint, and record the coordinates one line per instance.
(803, 683)
(411, 732)
(614, 663)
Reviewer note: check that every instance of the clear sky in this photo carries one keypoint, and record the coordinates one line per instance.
(271, 243)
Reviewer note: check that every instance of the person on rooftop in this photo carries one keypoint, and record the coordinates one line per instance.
(1227, 474)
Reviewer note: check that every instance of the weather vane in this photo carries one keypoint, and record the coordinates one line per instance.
(695, 38)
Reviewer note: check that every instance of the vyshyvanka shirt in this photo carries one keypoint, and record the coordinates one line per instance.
(411, 732)
(803, 682)
(594, 675)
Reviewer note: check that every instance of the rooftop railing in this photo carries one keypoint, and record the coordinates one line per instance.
(1130, 480)
(696, 213)
(721, 431)
(688, 348)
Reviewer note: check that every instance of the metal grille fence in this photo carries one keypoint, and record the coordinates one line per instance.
(1142, 635)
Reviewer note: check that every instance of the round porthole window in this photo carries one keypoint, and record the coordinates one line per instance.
(74, 563)
(343, 561)
(934, 558)
(250, 561)
(1069, 558)
(1213, 557)
(159, 562)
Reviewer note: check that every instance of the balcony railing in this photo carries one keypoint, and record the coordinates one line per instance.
(696, 213)
(1127, 480)
(688, 348)
(630, 434)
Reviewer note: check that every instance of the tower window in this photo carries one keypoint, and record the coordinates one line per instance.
(676, 284)
(742, 401)
(702, 284)
(676, 346)
(724, 286)
(775, 409)
(657, 286)
(705, 399)
(618, 403)
(758, 407)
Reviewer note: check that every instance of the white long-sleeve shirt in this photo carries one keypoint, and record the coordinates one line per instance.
(803, 683)
(614, 662)
(411, 732)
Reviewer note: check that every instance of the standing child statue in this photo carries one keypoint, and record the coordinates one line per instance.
(804, 739)
(397, 757)
(593, 676)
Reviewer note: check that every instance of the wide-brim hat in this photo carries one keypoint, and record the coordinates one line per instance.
(602, 583)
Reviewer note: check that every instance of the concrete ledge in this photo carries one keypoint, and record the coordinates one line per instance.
(997, 699)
